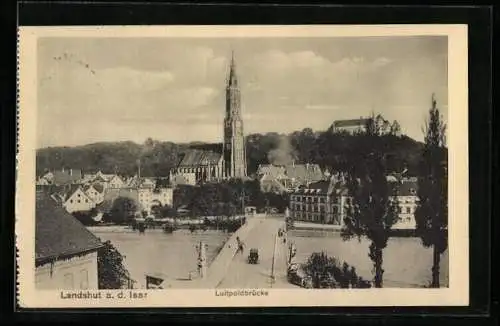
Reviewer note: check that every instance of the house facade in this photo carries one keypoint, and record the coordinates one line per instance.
(150, 197)
(321, 202)
(95, 192)
(78, 200)
(351, 126)
(65, 251)
(407, 199)
(327, 202)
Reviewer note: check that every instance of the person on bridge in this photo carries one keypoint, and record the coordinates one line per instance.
(240, 244)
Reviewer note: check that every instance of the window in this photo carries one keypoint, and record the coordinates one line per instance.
(408, 210)
(78, 195)
(412, 191)
(79, 201)
(68, 281)
(71, 201)
(84, 279)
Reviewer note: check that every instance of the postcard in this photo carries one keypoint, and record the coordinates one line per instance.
(242, 166)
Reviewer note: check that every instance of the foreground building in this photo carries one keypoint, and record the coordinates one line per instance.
(65, 251)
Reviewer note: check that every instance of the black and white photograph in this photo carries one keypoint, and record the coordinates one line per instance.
(241, 165)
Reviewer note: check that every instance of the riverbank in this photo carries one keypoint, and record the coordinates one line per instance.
(325, 228)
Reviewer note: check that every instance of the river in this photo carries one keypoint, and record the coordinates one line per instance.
(154, 251)
(406, 262)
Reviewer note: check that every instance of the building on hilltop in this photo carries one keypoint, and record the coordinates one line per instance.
(351, 126)
(226, 161)
(65, 251)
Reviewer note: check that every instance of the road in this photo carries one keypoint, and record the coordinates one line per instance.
(241, 274)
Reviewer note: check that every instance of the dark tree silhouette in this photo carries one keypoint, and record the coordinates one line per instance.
(111, 272)
(432, 212)
(123, 210)
(327, 272)
(371, 212)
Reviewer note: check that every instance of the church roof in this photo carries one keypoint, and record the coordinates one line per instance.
(58, 234)
(195, 158)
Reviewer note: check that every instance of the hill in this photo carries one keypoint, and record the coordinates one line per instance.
(329, 150)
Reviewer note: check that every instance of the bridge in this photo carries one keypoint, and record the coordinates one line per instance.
(230, 269)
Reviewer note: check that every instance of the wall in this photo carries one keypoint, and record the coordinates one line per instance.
(79, 201)
(63, 270)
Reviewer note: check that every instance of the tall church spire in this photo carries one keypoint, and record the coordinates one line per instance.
(232, 80)
(234, 140)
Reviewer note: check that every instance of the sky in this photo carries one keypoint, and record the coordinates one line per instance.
(173, 89)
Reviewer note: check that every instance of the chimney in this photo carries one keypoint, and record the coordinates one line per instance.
(71, 172)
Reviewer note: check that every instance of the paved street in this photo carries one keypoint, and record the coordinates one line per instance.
(241, 274)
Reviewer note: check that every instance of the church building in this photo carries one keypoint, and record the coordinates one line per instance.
(226, 161)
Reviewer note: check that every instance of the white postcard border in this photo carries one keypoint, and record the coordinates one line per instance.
(456, 295)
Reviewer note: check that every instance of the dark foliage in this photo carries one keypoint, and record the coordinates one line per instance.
(371, 213)
(432, 212)
(329, 149)
(327, 272)
(85, 217)
(122, 211)
(111, 272)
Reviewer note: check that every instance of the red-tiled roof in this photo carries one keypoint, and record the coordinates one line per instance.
(58, 234)
(194, 158)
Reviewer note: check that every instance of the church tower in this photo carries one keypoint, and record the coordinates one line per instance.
(235, 163)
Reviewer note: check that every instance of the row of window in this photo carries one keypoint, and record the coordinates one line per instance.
(78, 201)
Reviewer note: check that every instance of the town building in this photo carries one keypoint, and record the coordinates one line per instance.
(65, 251)
(327, 201)
(60, 177)
(279, 179)
(115, 182)
(324, 201)
(95, 192)
(226, 161)
(77, 200)
(406, 189)
(198, 166)
(351, 126)
(148, 198)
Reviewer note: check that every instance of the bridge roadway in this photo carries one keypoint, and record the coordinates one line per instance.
(241, 274)
(231, 270)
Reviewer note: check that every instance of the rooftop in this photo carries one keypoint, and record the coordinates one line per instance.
(58, 234)
(196, 157)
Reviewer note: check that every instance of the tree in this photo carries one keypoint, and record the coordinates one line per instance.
(432, 212)
(123, 210)
(167, 211)
(326, 272)
(373, 210)
(111, 272)
(395, 129)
